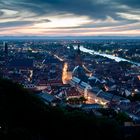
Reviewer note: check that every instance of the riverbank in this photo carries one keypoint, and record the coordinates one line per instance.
(117, 59)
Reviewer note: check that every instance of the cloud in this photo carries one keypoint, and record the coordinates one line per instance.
(1, 13)
(100, 13)
(130, 3)
(14, 24)
(95, 9)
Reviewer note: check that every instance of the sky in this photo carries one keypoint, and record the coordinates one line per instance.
(70, 17)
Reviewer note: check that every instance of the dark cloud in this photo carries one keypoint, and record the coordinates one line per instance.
(31, 11)
(14, 24)
(97, 9)
(93, 8)
(90, 8)
(131, 3)
(20, 23)
(46, 20)
(1, 13)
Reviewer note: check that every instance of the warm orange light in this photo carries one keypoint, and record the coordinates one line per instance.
(66, 76)
(96, 100)
(139, 77)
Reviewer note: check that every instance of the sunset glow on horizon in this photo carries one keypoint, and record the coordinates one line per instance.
(70, 18)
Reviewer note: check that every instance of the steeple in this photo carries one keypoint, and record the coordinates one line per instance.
(5, 48)
(78, 56)
(80, 70)
(5, 52)
(78, 50)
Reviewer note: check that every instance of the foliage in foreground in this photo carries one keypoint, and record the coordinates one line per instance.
(24, 117)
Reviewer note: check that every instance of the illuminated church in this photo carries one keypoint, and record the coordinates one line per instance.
(80, 71)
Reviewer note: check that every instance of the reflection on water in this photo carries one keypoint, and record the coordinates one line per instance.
(117, 59)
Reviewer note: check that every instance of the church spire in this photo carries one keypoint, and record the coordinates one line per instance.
(78, 50)
(78, 56)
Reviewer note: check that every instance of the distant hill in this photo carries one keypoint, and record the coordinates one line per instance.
(66, 37)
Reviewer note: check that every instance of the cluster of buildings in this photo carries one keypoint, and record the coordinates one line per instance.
(61, 74)
(103, 81)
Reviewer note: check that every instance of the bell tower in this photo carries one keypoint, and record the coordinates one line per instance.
(78, 56)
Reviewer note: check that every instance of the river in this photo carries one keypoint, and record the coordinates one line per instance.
(117, 59)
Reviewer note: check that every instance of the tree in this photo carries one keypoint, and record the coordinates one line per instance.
(125, 65)
(122, 117)
(82, 99)
(25, 116)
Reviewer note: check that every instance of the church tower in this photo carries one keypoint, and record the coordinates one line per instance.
(78, 57)
(5, 52)
(80, 71)
(5, 49)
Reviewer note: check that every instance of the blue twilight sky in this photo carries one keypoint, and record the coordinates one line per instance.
(70, 17)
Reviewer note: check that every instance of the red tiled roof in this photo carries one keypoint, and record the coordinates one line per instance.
(73, 92)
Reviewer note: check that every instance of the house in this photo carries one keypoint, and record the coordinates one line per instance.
(73, 93)
(21, 64)
(48, 98)
(91, 106)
